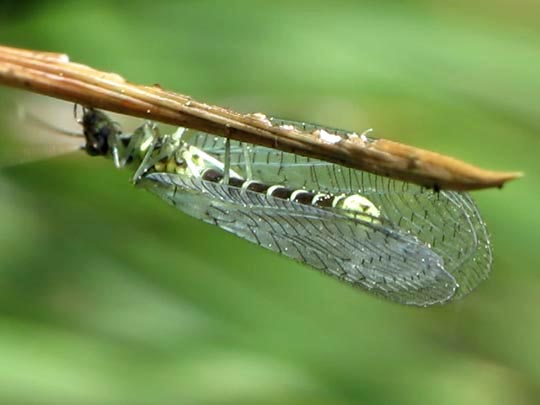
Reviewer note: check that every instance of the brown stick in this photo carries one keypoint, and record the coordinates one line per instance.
(53, 75)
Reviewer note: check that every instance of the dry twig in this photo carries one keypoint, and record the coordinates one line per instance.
(54, 75)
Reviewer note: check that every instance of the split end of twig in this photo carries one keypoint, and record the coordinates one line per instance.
(437, 171)
(487, 179)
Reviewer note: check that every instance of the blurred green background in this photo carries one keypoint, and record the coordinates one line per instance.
(108, 295)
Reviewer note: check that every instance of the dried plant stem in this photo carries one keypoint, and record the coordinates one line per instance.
(54, 75)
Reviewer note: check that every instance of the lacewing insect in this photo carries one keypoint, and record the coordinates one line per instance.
(393, 239)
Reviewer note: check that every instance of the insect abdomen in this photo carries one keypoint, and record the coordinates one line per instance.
(354, 204)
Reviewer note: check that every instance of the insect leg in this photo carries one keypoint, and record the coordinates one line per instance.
(146, 141)
(227, 163)
(247, 160)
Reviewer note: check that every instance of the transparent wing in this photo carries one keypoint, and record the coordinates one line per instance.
(374, 256)
(448, 222)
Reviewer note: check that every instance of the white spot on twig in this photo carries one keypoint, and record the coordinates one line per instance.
(261, 117)
(362, 138)
(363, 135)
(327, 137)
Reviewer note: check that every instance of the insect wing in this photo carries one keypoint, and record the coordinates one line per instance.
(448, 221)
(374, 256)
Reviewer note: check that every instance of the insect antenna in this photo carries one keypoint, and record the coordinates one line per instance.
(26, 116)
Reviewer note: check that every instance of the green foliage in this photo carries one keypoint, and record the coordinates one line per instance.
(107, 295)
